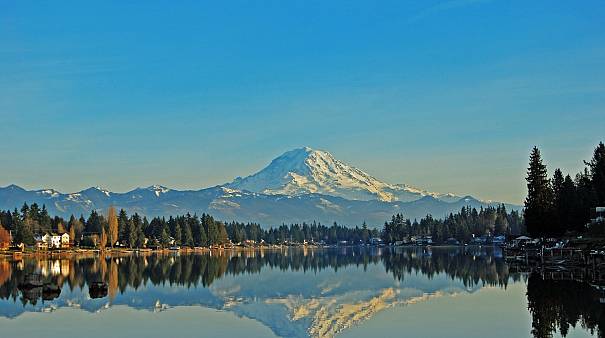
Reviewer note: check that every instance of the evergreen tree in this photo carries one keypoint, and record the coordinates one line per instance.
(140, 240)
(23, 231)
(177, 233)
(538, 203)
(76, 228)
(365, 233)
(132, 229)
(44, 220)
(557, 189)
(199, 234)
(597, 173)
(221, 237)
(93, 224)
(123, 227)
(568, 205)
(186, 233)
(164, 236)
(586, 199)
(501, 223)
(211, 230)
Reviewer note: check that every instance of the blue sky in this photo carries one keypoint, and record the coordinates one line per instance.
(449, 96)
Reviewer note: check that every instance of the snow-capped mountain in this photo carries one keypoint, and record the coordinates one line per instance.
(309, 171)
(302, 185)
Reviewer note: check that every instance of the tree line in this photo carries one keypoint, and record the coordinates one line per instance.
(562, 204)
(136, 231)
(463, 226)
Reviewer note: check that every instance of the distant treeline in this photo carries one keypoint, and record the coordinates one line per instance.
(561, 204)
(461, 226)
(137, 231)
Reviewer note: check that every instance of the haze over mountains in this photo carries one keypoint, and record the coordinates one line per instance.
(300, 185)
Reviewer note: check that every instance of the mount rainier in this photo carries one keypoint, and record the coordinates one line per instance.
(309, 171)
(301, 185)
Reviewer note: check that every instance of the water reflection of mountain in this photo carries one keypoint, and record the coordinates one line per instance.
(294, 292)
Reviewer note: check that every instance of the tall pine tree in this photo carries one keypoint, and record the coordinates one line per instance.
(557, 189)
(538, 203)
(597, 173)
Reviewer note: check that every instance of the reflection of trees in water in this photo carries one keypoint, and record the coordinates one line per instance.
(559, 304)
(471, 266)
(5, 271)
(192, 270)
(554, 305)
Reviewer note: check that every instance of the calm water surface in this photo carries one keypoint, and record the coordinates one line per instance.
(354, 292)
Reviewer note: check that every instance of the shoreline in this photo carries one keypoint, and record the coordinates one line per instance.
(85, 252)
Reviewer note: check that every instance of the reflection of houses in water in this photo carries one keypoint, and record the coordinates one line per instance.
(65, 268)
(54, 267)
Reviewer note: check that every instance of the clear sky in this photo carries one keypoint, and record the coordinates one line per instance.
(448, 96)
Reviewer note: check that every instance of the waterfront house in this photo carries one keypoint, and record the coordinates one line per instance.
(598, 214)
(65, 240)
(376, 241)
(249, 243)
(40, 243)
(452, 241)
(424, 240)
(52, 241)
(55, 241)
(499, 240)
(480, 240)
(520, 242)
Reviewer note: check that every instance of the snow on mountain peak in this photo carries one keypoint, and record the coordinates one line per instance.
(306, 170)
(49, 192)
(158, 189)
(103, 190)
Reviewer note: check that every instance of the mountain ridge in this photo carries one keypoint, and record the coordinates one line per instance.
(229, 204)
(302, 185)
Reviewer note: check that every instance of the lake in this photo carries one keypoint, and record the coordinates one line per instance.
(344, 292)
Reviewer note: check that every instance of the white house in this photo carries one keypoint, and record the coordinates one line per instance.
(65, 239)
(53, 241)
